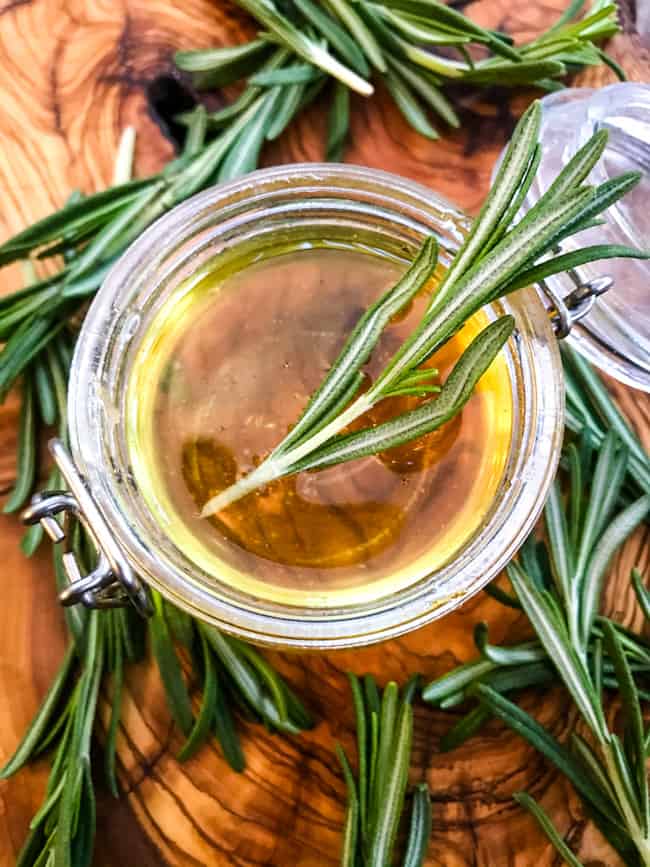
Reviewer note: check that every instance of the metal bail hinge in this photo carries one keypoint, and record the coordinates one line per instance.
(565, 312)
(112, 583)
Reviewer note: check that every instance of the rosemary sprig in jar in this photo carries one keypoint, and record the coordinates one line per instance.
(497, 257)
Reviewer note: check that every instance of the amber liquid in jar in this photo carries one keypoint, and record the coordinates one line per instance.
(225, 369)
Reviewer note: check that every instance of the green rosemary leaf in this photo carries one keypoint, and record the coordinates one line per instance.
(270, 678)
(408, 105)
(501, 596)
(530, 804)
(27, 450)
(22, 348)
(597, 668)
(304, 47)
(374, 744)
(516, 677)
(561, 553)
(422, 83)
(77, 234)
(642, 594)
(44, 718)
(390, 801)
(69, 219)
(82, 854)
(358, 30)
(226, 733)
(46, 398)
(510, 174)
(244, 154)
(298, 713)
(351, 830)
(180, 624)
(592, 765)
(339, 38)
(247, 679)
(603, 197)
(298, 73)
(202, 167)
(203, 722)
(440, 13)
(362, 341)
(608, 60)
(116, 708)
(394, 44)
(119, 232)
(563, 655)
(518, 654)
(81, 287)
(372, 694)
(534, 558)
(517, 200)
(633, 720)
(613, 537)
(622, 773)
(216, 67)
(568, 15)
(419, 828)
(384, 765)
(196, 132)
(25, 310)
(338, 122)
(421, 30)
(574, 259)
(456, 681)
(466, 727)
(290, 102)
(362, 745)
(579, 166)
(169, 666)
(514, 74)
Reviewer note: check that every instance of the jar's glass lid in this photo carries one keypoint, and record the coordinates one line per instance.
(615, 334)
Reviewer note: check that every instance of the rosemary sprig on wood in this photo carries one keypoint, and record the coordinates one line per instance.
(558, 583)
(497, 257)
(376, 798)
(406, 44)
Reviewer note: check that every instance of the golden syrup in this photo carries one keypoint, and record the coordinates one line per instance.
(226, 367)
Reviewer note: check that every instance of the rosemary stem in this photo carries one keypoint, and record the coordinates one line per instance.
(275, 468)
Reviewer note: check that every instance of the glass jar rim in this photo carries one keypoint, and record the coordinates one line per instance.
(115, 324)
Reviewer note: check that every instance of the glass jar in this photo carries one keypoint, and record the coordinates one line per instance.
(314, 201)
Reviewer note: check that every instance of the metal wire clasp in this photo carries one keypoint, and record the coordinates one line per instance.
(112, 583)
(565, 312)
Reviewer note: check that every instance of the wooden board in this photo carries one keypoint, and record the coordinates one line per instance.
(72, 75)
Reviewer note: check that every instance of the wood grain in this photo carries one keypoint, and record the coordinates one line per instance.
(73, 74)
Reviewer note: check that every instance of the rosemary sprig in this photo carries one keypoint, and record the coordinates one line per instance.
(495, 259)
(356, 42)
(230, 674)
(558, 583)
(376, 799)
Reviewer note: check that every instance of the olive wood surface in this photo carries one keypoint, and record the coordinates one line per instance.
(73, 73)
